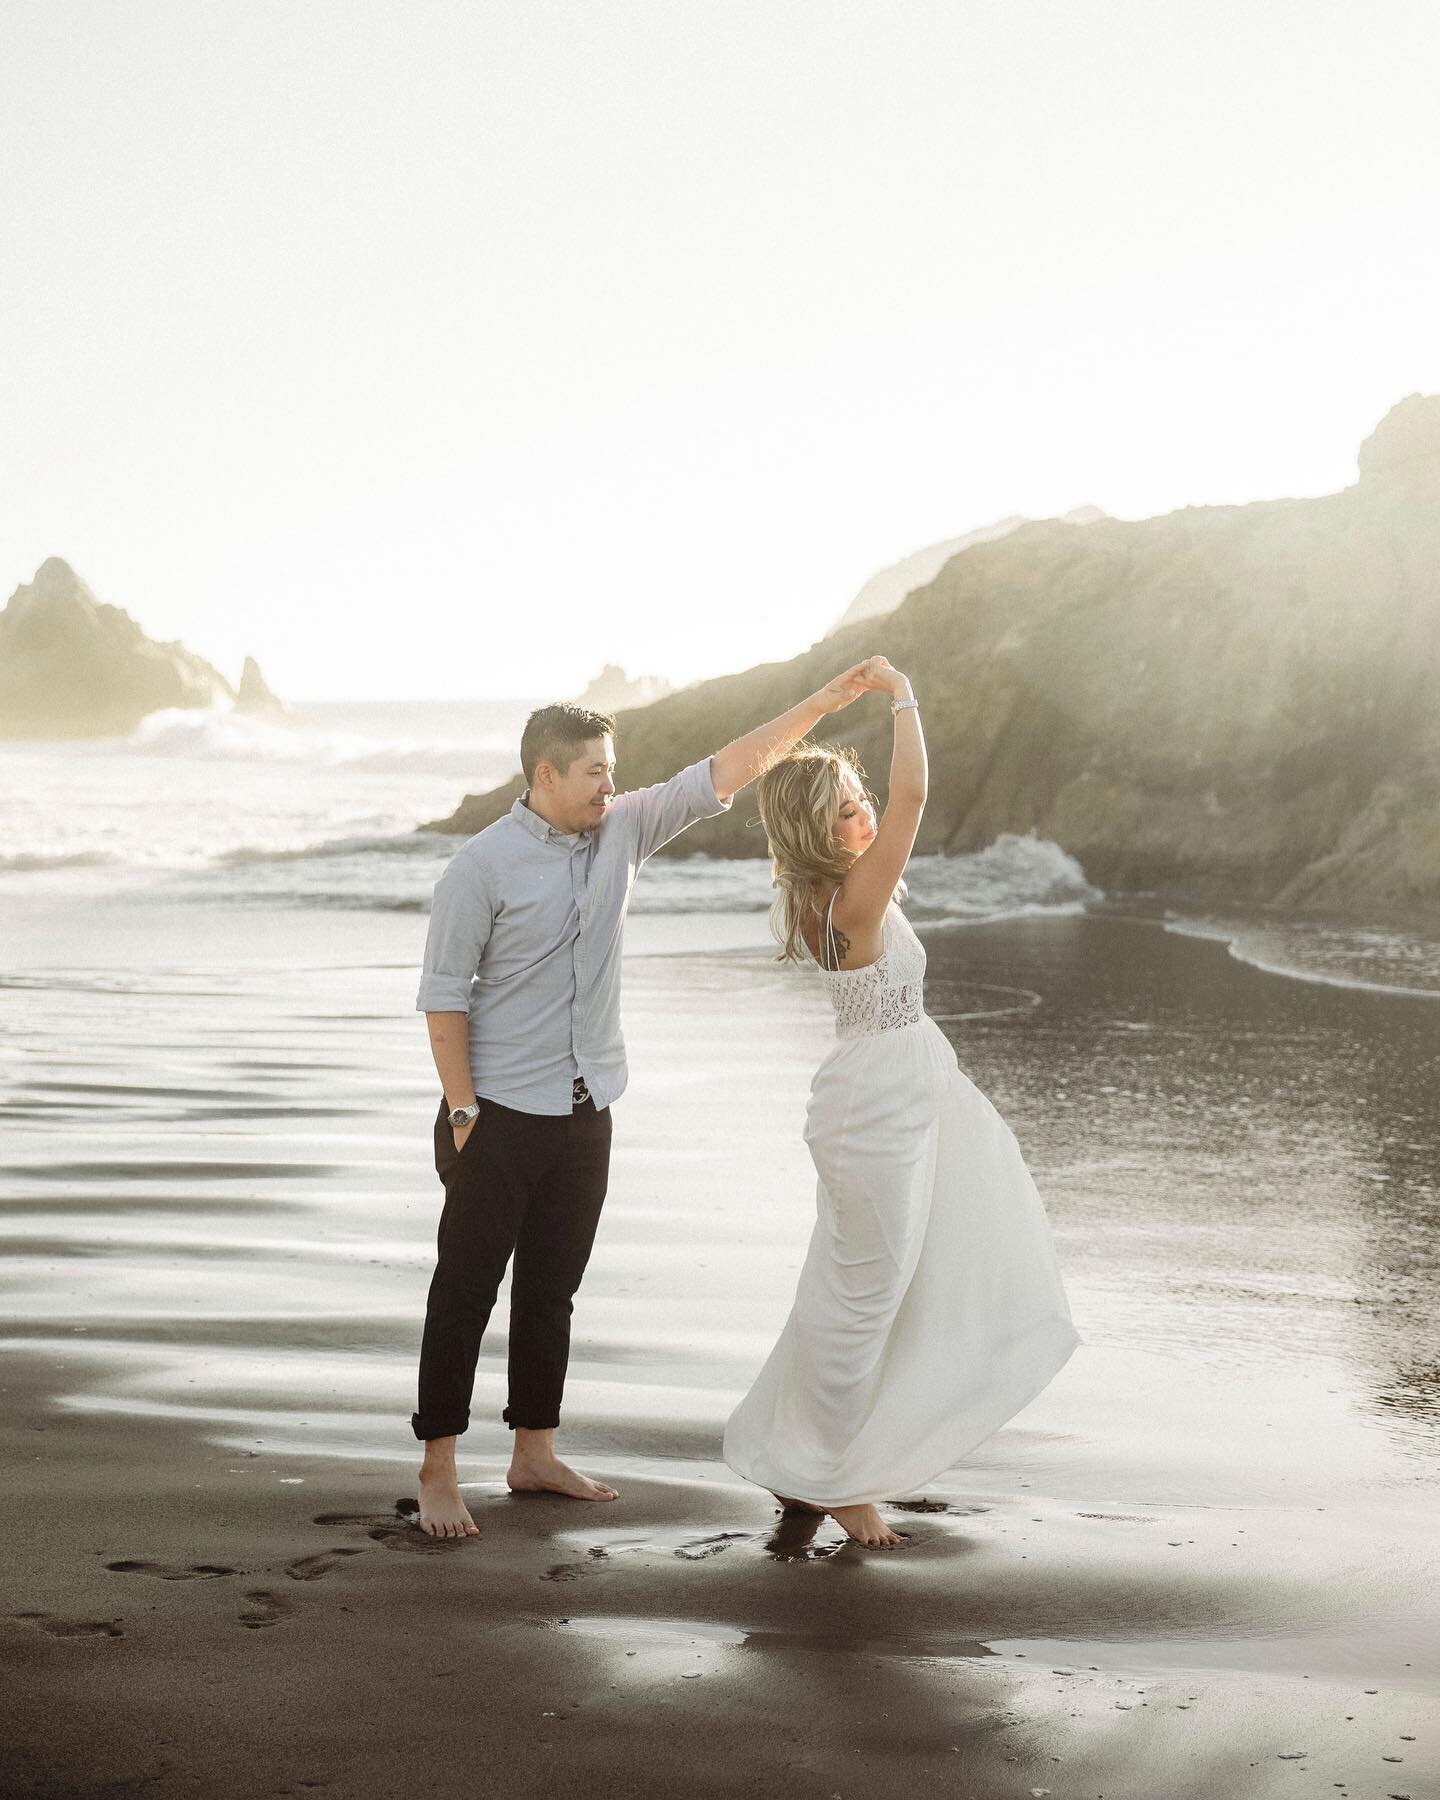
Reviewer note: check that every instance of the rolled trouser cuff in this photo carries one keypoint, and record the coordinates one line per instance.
(425, 1429)
(518, 1421)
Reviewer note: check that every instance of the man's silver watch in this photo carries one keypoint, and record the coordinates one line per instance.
(465, 1115)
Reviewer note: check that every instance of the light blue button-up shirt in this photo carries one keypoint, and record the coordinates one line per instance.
(525, 935)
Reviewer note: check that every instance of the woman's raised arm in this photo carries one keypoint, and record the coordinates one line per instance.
(871, 882)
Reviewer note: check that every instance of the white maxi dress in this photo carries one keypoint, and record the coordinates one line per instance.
(930, 1307)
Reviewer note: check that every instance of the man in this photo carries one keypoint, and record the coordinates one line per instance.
(521, 994)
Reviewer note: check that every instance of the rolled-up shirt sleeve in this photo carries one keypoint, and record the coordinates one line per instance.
(657, 814)
(460, 921)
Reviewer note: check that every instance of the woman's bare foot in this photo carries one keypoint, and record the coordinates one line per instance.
(535, 1469)
(864, 1525)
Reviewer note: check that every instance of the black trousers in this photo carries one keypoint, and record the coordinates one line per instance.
(524, 1184)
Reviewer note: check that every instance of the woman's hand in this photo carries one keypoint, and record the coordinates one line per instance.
(878, 677)
(843, 690)
(873, 676)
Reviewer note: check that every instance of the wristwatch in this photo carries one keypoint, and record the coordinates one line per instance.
(465, 1115)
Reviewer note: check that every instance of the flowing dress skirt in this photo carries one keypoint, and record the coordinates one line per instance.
(930, 1307)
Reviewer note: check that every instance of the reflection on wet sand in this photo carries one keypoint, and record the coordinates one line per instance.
(218, 1219)
(1275, 1141)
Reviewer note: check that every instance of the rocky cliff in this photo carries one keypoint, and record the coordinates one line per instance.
(886, 589)
(72, 667)
(1240, 701)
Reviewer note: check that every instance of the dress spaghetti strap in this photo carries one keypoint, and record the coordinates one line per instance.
(825, 937)
(830, 931)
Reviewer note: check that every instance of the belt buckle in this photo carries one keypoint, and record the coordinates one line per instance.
(579, 1093)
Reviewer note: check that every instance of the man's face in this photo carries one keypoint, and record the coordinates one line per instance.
(580, 798)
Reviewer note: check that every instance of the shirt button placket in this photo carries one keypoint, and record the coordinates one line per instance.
(577, 1014)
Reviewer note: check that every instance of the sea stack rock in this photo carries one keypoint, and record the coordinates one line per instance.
(253, 696)
(613, 690)
(73, 667)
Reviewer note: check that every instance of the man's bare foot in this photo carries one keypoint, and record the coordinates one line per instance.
(864, 1525)
(442, 1512)
(536, 1469)
(548, 1475)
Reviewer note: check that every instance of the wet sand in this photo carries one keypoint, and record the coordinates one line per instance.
(1202, 1563)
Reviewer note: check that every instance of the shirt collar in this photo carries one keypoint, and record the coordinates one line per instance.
(540, 828)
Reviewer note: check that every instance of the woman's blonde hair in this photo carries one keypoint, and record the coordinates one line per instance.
(800, 798)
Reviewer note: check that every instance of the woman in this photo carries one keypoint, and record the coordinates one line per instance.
(930, 1307)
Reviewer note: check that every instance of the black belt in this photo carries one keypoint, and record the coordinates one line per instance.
(579, 1093)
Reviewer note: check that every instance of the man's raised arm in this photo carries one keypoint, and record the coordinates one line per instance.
(742, 762)
(658, 814)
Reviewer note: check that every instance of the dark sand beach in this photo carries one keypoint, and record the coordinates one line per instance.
(1202, 1563)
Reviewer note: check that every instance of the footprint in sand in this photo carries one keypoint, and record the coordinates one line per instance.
(689, 1550)
(173, 1571)
(311, 1568)
(395, 1535)
(406, 1511)
(933, 1506)
(395, 1531)
(697, 1549)
(265, 1609)
(66, 1628)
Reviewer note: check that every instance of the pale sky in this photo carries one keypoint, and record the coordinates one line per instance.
(454, 347)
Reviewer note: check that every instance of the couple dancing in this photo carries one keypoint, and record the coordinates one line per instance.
(929, 1309)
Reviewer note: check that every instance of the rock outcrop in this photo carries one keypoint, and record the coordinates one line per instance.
(613, 690)
(253, 696)
(1236, 701)
(886, 589)
(73, 667)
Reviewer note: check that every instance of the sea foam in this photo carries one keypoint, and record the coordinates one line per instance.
(1012, 876)
(224, 735)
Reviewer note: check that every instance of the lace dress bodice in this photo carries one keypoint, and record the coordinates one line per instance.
(886, 994)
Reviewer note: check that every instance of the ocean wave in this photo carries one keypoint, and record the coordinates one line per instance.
(409, 843)
(687, 884)
(1012, 876)
(396, 871)
(223, 735)
(1364, 959)
(340, 902)
(29, 862)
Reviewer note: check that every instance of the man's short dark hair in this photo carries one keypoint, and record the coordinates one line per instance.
(558, 734)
